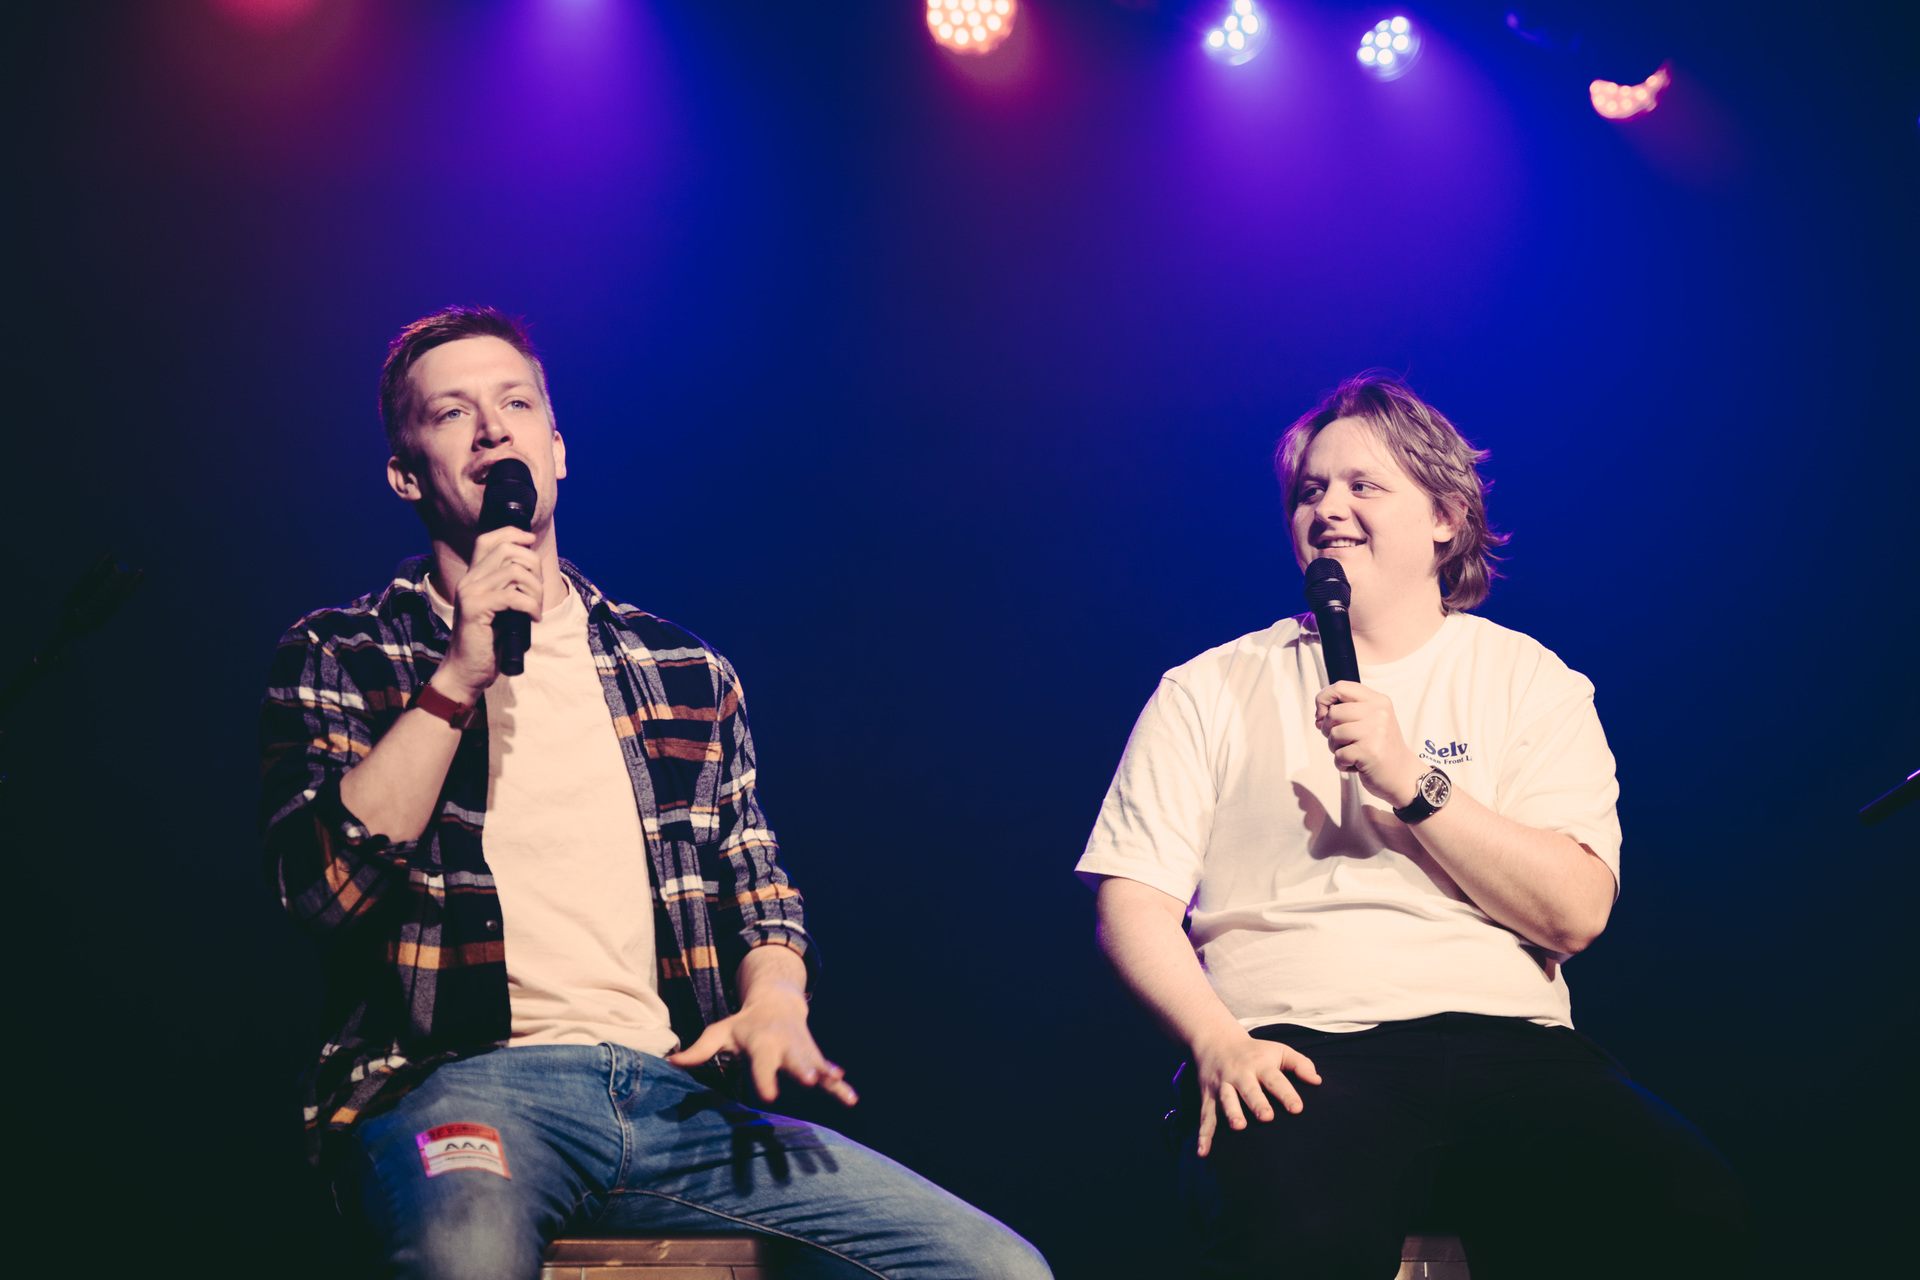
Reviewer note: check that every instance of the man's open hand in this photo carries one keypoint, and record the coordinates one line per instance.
(1237, 1072)
(771, 1030)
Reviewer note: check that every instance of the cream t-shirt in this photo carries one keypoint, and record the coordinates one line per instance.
(569, 860)
(1312, 904)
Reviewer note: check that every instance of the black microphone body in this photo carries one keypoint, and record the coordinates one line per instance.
(510, 500)
(1328, 595)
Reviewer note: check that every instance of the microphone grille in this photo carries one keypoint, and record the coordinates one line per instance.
(510, 472)
(1327, 585)
(509, 498)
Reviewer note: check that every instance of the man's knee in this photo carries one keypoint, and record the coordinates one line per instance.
(1689, 1218)
(1351, 1246)
(470, 1245)
(470, 1230)
(1302, 1228)
(1680, 1213)
(995, 1250)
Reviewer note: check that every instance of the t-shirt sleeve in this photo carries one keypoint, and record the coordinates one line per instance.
(1154, 823)
(1558, 774)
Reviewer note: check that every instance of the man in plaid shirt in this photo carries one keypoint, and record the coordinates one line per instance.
(544, 900)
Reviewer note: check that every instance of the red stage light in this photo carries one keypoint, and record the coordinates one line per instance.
(1620, 101)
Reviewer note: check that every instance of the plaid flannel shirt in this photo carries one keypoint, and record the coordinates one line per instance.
(410, 930)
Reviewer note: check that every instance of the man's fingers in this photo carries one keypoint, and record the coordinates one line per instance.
(813, 1070)
(1207, 1122)
(509, 587)
(1301, 1065)
(532, 601)
(1254, 1097)
(1275, 1081)
(1347, 735)
(505, 540)
(1230, 1107)
(710, 1042)
(834, 1084)
(766, 1078)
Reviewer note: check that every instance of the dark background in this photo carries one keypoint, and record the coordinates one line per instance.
(938, 394)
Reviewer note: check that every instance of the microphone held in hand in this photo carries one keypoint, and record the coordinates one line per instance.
(1328, 595)
(509, 501)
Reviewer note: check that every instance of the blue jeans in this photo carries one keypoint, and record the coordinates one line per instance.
(604, 1139)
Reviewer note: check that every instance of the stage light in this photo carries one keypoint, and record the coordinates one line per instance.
(1622, 101)
(971, 26)
(1389, 49)
(1240, 35)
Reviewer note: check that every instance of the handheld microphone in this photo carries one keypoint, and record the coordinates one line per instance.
(509, 501)
(1328, 595)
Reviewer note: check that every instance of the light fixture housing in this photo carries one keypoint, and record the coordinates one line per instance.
(1239, 36)
(971, 27)
(1388, 51)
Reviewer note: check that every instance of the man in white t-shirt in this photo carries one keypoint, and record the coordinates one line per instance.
(1370, 889)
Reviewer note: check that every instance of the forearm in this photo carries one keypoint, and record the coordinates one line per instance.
(1543, 885)
(1139, 930)
(395, 789)
(772, 972)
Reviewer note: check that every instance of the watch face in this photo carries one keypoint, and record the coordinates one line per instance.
(1435, 787)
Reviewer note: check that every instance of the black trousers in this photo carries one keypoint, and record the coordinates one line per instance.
(1530, 1143)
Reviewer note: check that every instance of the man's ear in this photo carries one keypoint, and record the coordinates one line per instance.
(559, 456)
(401, 479)
(1446, 523)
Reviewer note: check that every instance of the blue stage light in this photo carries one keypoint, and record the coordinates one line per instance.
(1239, 36)
(1388, 51)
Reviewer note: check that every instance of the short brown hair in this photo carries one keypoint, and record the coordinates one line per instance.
(1431, 450)
(450, 324)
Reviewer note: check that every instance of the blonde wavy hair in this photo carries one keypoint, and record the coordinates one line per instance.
(1431, 450)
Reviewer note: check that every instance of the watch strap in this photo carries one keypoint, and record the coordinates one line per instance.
(440, 706)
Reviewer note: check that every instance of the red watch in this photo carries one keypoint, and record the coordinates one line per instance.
(439, 705)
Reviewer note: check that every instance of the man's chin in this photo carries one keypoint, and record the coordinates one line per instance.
(456, 529)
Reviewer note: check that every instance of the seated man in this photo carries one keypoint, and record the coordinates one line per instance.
(1380, 882)
(532, 889)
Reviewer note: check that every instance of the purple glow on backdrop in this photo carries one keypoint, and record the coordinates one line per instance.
(1296, 170)
(267, 15)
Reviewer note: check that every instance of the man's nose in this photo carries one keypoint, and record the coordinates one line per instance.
(1332, 504)
(492, 431)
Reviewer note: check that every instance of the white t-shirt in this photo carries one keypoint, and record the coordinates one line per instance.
(569, 859)
(1310, 903)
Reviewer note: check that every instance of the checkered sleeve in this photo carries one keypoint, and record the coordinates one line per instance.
(758, 905)
(330, 694)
